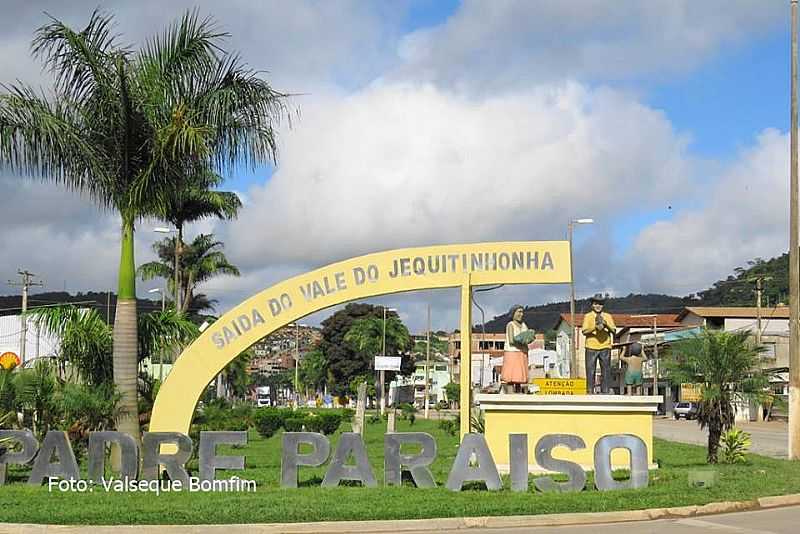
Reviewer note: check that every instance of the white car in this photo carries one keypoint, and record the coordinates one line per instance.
(686, 410)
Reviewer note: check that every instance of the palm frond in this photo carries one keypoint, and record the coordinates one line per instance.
(44, 138)
(78, 60)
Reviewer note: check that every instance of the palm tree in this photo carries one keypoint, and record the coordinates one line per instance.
(202, 260)
(727, 365)
(123, 127)
(190, 202)
(366, 336)
(85, 340)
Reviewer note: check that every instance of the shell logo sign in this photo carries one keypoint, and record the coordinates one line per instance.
(9, 360)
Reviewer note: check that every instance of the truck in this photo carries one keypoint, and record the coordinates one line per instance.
(263, 396)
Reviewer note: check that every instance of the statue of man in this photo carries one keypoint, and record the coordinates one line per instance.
(599, 328)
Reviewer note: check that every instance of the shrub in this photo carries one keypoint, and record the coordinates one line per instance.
(295, 423)
(326, 423)
(450, 426)
(453, 392)
(268, 421)
(374, 419)
(478, 423)
(409, 412)
(243, 411)
(347, 414)
(735, 443)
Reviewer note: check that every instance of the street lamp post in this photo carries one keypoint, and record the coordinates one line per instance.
(176, 271)
(161, 352)
(383, 373)
(297, 363)
(427, 363)
(573, 354)
(655, 349)
(794, 260)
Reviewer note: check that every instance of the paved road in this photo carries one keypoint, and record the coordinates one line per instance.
(769, 439)
(773, 521)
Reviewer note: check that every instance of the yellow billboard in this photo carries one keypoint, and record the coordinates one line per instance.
(691, 392)
(561, 386)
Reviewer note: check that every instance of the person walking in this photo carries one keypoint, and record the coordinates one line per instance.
(599, 328)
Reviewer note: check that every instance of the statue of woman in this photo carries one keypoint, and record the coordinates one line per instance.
(515, 358)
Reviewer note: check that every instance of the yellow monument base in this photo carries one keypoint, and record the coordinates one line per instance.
(589, 416)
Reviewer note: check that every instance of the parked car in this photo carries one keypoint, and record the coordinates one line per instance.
(686, 410)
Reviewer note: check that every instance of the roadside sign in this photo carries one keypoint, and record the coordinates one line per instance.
(691, 392)
(9, 360)
(387, 363)
(561, 386)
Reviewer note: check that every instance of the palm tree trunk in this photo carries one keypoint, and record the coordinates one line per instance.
(714, 433)
(178, 247)
(125, 354)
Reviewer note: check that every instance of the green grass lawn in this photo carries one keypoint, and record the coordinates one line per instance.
(668, 487)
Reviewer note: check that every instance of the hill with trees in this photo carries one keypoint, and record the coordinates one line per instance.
(738, 289)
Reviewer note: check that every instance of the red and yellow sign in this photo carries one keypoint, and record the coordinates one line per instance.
(9, 360)
(561, 386)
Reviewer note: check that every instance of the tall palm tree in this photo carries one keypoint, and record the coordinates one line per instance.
(122, 127)
(202, 260)
(727, 366)
(190, 201)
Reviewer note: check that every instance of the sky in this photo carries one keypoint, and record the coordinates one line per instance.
(421, 122)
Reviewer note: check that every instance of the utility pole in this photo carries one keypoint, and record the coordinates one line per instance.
(759, 289)
(428, 362)
(573, 354)
(297, 363)
(27, 283)
(383, 373)
(655, 357)
(794, 261)
(573, 358)
(759, 280)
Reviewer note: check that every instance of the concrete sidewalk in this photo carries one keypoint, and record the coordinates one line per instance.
(768, 439)
(640, 520)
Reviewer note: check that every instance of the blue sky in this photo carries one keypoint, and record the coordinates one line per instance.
(724, 104)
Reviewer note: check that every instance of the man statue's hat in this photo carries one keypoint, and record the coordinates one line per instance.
(598, 298)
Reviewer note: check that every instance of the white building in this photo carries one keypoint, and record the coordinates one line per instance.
(38, 342)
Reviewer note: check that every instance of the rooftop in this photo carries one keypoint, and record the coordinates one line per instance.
(626, 320)
(743, 312)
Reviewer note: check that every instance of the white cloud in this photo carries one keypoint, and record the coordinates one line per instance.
(304, 45)
(469, 134)
(745, 216)
(489, 45)
(403, 165)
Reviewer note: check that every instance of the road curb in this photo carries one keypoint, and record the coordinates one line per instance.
(431, 525)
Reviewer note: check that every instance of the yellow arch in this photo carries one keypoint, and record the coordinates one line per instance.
(394, 271)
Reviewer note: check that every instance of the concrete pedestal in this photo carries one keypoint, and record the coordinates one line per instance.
(589, 416)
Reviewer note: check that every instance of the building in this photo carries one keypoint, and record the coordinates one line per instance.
(487, 357)
(773, 324)
(438, 378)
(629, 328)
(38, 342)
(276, 352)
